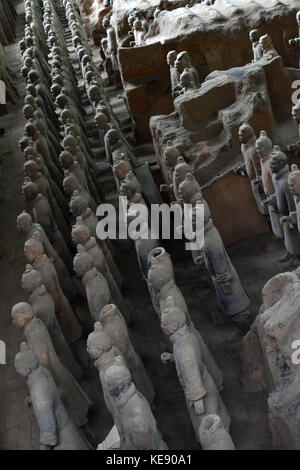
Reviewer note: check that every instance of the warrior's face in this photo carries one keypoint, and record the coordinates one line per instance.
(181, 62)
(294, 184)
(244, 134)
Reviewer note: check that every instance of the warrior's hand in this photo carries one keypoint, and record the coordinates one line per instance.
(200, 259)
(164, 188)
(265, 201)
(166, 357)
(292, 42)
(284, 219)
(257, 180)
(199, 407)
(293, 217)
(28, 401)
(224, 280)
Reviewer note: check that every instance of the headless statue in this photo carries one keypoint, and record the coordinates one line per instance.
(57, 429)
(39, 341)
(213, 434)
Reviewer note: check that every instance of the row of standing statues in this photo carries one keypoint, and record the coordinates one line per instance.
(61, 187)
(61, 195)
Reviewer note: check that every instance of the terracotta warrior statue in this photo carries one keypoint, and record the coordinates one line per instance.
(285, 200)
(117, 145)
(97, 290)
(256, 48)
(174, 75)
(186, 81)
(139, 425)
(120, 168)
(71, 184)
(94, 94)
(43, 308)
(182, 63)
(231, 295)
(50, 190)
(131, 188)
(36, 256)
(144, 244)
(295, 148)
(43, 215)
(79, 207)
(268, 50)
(101, 350)
(170, 157)
(162, 285)
(112, 48)
(104, 125)
(81, 235)
(296, 41)
(41, 146)
(26, 225)
(264, 146)
(294, 186)
(57, 429)
(138, 15)
(252, 163)
(39, 341)
(138, 32)
(180, 171)
(115, 327)
(69, 163)
(200, 391)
